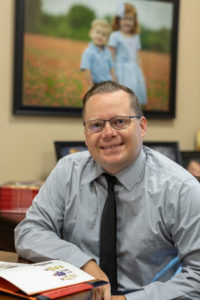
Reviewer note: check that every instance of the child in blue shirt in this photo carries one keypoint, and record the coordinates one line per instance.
(96, 59)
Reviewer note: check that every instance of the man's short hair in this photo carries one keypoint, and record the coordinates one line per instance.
(109, 86)
(101, 22)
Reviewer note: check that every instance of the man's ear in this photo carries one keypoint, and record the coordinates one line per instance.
(143, 126)
(85, 141)
(85, 137)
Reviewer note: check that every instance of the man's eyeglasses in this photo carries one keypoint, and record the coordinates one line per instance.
(118, 123)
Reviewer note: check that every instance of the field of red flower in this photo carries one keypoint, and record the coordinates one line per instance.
(51, 75)
(156, 69)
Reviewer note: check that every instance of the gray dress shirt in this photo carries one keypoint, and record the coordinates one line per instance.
(158, 218)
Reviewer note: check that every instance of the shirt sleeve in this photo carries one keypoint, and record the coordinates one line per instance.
(110, 61)
(184, 225)
(113, 40)
(43, 225)
(138, 42)
(86, 60)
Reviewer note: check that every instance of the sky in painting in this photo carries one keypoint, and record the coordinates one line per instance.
(152, 14)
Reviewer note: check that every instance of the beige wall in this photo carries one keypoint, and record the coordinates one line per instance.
(27, 150)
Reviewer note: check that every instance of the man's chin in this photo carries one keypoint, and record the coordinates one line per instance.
(112, 165)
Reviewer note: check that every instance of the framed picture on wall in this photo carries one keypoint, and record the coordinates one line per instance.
(64, 148)
(52, 36)
(191, 162)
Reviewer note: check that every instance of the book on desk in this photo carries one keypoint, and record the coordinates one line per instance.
(45, 280)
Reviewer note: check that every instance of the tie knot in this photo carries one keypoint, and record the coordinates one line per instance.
(111, 180)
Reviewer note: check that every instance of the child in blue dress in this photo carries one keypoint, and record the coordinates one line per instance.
(96, 59)
(124, 43)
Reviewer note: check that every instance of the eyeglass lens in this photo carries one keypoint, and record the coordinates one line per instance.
(116, 122)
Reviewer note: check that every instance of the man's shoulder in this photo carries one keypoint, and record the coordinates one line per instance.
(161, 165)
(156, 159)
(74, 165)
(81, 157)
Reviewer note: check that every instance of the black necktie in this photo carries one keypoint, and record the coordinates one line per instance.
(108, 255)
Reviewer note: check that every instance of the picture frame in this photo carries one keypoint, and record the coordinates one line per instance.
(169, 149)
(47, 76)
(63, 148)
(191, 162)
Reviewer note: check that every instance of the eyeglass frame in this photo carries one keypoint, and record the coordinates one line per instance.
(109, 120)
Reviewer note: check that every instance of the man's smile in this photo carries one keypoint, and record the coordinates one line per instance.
(116, 146)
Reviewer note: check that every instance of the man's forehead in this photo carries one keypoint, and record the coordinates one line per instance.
(118, 100)
(118, 95)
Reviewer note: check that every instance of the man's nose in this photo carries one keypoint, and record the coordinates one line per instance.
(108, 129)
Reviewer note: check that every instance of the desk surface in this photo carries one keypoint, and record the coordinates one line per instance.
(9, 256)
(13, 257)
(15, 218)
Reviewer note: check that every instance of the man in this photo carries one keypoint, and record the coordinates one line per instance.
(158, 211)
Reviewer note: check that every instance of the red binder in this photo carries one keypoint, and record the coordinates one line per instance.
(9, 288)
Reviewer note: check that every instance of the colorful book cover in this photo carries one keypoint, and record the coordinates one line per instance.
(51, 279)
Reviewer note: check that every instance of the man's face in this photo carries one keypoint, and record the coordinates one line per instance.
(99, 36)
(113, 149)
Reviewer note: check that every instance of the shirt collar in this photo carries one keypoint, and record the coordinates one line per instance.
(93, 170)
(128, 177)
(92, 45)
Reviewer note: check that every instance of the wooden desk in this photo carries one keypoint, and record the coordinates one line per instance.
(8, 221)
(13, 257)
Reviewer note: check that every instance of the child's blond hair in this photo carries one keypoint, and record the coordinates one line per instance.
(101, 22)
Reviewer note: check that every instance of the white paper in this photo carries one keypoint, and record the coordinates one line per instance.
(8, 265)
(38, 277)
